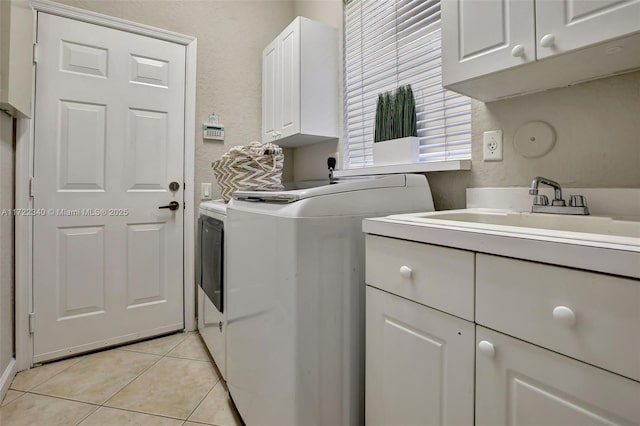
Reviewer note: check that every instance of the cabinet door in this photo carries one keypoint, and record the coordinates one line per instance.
(288, 85)
(482, 37)
(269, 91)
(521, 384)
(563, 25)
(419, 364)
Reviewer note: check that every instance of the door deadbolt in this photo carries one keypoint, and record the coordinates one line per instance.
(174, 186)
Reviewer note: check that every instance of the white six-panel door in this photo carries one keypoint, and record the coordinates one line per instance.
(109, 138)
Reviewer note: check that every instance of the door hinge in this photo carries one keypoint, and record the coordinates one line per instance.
(32, 323)
(31, 189)
(36, 53)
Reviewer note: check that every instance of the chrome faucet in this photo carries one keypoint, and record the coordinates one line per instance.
(577, 203)
(533, 190)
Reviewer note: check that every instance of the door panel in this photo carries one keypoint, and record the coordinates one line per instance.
(269, 92)
(81, 283)
(82, 146)
(579, 23)
(148, 150)
(83, 59)
(479, 37)
(289, 80)
(109, 138)
(146, 279)
(419, 364)
(521, 384)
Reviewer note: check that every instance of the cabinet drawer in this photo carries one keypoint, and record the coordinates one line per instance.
(588, 316)
(521, 384)
(434, 276)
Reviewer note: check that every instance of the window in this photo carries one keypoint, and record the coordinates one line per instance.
(388, 43)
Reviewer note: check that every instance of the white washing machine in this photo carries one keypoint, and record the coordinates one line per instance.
(296, 297)
(211, 280)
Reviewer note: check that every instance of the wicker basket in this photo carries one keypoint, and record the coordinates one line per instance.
(255, 167)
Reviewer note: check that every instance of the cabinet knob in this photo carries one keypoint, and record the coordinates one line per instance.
(405, 272)
(564, 315)
(547, 40)
(487, 348)
(517, 51)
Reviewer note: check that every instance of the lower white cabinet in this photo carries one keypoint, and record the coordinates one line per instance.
(561, 347)
(419, 364)
(521, 384)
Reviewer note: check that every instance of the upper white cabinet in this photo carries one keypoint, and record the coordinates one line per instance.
(495, 49)
(300, 85)
(16, 57)
(481, 37)
(565, 25)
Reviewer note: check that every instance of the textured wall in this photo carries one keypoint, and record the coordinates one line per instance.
(231, 36)
(597, 144)
(7, 154)
(310, 162)
(597, 126)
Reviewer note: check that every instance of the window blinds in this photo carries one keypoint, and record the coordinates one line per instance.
(389, 43)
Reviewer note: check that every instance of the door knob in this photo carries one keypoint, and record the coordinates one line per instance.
(548, 40)
(564, 315)
(487, 348)
(517, 51)
(405, 272)
(174, 205)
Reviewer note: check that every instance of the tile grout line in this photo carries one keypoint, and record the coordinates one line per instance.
(130, 410)
(63, 398)
(89, 414)
(202, 399)
(161, 357)
(11, 402)
(97, 406)
(79, 358)
(131, 381)
(205, 395)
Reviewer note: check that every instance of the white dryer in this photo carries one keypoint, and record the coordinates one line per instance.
(211, 280)
(296, 297)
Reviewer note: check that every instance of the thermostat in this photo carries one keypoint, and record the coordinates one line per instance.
(213, 132)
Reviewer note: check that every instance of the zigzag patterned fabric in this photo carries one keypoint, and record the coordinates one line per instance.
(254, 167)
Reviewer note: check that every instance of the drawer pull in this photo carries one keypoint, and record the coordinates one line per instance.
(405, 272)
(564, 315)
(487, 348)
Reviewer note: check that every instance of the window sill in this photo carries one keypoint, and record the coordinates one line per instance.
(435, 166)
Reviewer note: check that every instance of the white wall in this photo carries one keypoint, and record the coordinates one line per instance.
(598, 140)
(7, 155)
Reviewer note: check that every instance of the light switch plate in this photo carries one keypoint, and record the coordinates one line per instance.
(205, 191)
(492, 145)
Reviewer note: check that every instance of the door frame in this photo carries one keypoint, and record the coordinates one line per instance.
(24, 171)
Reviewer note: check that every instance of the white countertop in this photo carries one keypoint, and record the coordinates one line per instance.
(615, 259)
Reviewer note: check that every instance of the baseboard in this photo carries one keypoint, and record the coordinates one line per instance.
(7, 377)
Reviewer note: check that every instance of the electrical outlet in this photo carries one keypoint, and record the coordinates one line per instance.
(492, 145)
(205, 191)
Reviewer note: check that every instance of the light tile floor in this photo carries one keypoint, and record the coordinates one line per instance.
(168, 381)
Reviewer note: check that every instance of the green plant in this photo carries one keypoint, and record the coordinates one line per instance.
(395, 115)
(379, 127)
